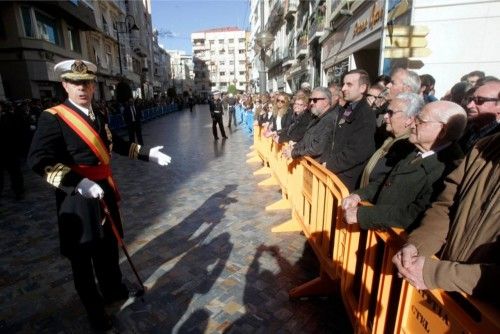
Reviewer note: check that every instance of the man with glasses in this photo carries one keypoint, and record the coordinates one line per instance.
(462, 228)
(414, 183)
(319, 129)
(396, 147)
(483, 113)
(352, 141)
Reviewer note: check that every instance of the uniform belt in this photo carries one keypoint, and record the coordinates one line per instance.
(97, 173)
(93, 172)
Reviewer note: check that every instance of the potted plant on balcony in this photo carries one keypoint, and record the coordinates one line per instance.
(302, 39)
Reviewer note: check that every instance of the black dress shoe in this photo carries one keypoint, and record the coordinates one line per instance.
(121, 294)
(100, 321)
(224, 137)
(216, 138)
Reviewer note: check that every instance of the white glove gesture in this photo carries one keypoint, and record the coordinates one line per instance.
(159, 157)
(89, 189)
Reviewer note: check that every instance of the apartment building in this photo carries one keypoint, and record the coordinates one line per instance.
(220, 60)
(181, 71)
(34, 37)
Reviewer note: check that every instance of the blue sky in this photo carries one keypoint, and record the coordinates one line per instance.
(178, 19)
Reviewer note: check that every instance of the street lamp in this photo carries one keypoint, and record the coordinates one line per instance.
(126, 26)
(264, 40)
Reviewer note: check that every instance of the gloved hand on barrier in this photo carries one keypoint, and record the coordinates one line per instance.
(89, 189)
(159, 157)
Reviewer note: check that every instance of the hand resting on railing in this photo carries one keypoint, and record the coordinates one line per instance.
(350, 206)
(410, 266)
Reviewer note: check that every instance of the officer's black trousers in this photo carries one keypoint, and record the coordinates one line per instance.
(217, 119)
(101, 259)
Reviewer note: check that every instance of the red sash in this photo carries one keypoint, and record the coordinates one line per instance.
(88, 134)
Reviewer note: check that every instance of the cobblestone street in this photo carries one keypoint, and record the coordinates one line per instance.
(197, 232)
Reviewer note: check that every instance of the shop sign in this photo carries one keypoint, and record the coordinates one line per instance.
(362, 24)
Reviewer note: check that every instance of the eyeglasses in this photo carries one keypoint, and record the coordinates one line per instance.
(419, 121)
(316, 99)
(374, 96)
(480, 100)
(281, 101)
(299, 104)
(391, 112)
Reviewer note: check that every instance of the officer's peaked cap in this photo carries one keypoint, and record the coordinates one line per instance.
(76, 70)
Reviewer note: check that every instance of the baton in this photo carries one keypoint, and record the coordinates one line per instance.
(119, 239)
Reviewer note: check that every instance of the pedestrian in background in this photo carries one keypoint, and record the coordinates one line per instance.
(216, 112)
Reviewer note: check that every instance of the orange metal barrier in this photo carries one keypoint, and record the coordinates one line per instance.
(361, 261)
(316, 195)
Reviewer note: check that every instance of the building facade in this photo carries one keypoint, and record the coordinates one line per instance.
(317, 41)
(34, 37)
(221, 60)
(116, 35)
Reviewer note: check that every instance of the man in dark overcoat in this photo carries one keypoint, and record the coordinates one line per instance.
(353, 139)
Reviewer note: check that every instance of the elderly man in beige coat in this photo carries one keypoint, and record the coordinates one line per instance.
(464, 222)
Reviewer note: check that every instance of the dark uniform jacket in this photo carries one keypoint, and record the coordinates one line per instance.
(54, 149)
(317, 134)
(409, 189)
(351, 145)
(297, 128)
(127, 114)
(216, 109)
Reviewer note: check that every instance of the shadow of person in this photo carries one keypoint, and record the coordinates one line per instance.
(182, 237)
(194, 273)
(276, 313)
(219, 147)
(196, 323)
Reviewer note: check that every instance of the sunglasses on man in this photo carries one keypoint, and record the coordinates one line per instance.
(316, 99)
(480, 100)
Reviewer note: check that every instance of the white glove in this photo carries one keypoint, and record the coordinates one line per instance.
(89, 189)
(159, 157)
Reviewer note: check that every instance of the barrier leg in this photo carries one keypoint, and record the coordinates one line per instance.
(254, 159)
(282, 204)
(270, 181)
(320, 286)
(262, 171)
(288, 226)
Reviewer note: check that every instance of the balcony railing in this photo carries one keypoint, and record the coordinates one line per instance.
(301, 46)
(275, 16)
(316, 28)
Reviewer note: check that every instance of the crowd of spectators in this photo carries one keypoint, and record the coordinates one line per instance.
(393, 143)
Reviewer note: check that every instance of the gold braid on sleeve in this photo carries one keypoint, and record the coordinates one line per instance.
(133, 151)
(55, 174)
